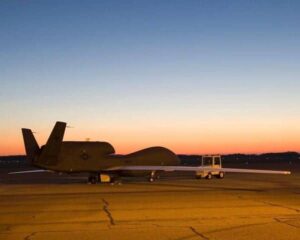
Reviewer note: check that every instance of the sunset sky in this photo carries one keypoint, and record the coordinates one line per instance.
(193, 76)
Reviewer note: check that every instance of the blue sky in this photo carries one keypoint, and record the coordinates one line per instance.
(183, 69)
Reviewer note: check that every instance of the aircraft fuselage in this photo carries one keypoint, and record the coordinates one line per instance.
(99, 156)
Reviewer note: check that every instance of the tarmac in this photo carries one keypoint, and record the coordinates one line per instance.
(240, 206)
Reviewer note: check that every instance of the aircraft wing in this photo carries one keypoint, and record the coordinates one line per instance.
(31, 171)
(194, 169)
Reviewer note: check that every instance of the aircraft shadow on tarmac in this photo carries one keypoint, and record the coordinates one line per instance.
(178, 183)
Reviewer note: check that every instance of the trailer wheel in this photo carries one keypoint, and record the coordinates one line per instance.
(221, 175)
(209, 176)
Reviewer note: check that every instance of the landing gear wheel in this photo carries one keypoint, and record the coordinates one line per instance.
(221, 175)
(209, 176)
(92, 179)
(151, 179)
(116, 180)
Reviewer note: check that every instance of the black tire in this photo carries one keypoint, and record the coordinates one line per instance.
(115, 180)
(151, 179)
(209, 176)
(92, 180)
(221, 175)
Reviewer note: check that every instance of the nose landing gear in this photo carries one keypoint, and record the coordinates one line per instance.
(153, 176)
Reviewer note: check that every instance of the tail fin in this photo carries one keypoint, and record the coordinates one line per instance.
(31, 146)
(51, 150)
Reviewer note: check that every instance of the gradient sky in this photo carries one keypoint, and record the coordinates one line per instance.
(193, 76)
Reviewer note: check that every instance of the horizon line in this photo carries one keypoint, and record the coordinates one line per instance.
(237, 153)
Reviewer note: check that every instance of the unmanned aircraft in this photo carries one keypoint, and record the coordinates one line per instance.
(99, 160)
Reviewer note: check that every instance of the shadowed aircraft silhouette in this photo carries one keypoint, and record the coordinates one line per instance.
(100, 161)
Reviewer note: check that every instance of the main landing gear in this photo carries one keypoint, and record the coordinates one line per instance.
(102, 178)
(93, 179)
(153, 176)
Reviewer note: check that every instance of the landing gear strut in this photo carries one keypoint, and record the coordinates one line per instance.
(152, 176)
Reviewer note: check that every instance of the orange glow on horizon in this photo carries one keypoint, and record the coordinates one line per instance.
(182, 138)
(16, 147)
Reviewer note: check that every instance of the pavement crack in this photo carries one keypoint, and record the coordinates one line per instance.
(283, 222)
(28, 237)
(198, 233)
(105, 208)
(105, 202)
(236, 227)
(281, 206)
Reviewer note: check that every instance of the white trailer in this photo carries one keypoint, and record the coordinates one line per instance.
(211, 162)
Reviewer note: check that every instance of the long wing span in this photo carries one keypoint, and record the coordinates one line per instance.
(193, 169)
(31, 171)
